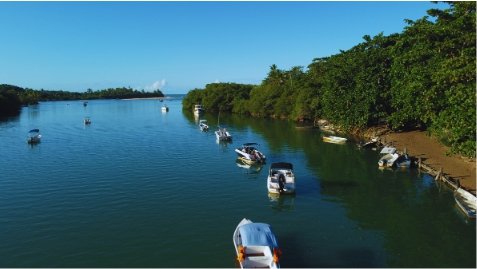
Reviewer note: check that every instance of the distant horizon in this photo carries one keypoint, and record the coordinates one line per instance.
(180, 46)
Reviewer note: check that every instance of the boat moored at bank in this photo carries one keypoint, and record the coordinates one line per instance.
(334, 139)
(198, 110)
(466, 201)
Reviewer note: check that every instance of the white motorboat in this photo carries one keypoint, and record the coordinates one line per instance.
(203, 125)
(388, 160)
(466, 201)
(256, 245)
(334, 139)
(34, 136)
(165, 108)
(281, 178)
(223, 135)
(248, 153)
(198, 109)
(87, 120)
(403, 161)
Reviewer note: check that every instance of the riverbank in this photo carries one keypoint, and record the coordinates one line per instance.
(432, 153)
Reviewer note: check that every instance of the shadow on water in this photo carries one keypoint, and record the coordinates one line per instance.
(10, 116)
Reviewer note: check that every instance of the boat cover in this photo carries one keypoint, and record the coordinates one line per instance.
(282, 165)
(249, 144)
(257, 234)
(387, 150)
(34, 131)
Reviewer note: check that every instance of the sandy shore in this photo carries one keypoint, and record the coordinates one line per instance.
(419, 145)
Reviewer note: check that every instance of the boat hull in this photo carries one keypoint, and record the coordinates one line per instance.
(334, 139)
(466, 202)
(255, 256)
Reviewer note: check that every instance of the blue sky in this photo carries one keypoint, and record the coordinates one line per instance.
(178, 46)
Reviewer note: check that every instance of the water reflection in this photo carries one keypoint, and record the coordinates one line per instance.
(253, 168)
(282, 202)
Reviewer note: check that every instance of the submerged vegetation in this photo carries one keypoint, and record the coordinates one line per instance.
(13, 97)
(421, 78)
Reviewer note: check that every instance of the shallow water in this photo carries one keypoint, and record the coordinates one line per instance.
(142, 188)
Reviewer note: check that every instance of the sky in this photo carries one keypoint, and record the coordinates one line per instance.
(180, 46)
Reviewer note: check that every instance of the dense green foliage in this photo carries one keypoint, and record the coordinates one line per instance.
(12, 97)
(421, 78)
(229, 97)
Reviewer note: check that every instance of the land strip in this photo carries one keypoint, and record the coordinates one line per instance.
(432, 153)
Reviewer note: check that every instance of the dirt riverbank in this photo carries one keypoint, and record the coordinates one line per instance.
(419, 145)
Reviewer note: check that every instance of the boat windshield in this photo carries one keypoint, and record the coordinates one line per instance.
(282, 165)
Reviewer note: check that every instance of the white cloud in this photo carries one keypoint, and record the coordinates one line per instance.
(216, 81)
(157, 85)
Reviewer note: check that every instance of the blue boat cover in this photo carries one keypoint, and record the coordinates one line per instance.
(257, 234)
(34, 131)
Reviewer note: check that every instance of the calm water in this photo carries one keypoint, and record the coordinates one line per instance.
(142, 188)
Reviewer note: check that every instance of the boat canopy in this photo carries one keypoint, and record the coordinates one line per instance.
(202, 121)
(34, 131)
(281, 165)
(249, 144)
(257, 234)
(387, 150)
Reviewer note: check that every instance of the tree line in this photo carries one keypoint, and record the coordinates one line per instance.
(13, 97)
(422, 78)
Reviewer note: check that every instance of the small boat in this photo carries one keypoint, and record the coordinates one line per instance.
(203, 125)
(34, 136)
(256, 245)
(403, 161)
(466, 201)
(85, 104)
(223, 135)
(198, 109)
(281, 178)
(370, 144)
(388, 160)
(334, 139)
(248, 153)
(87, 120)
(165, 108)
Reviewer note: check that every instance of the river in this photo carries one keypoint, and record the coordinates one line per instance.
(143, 188)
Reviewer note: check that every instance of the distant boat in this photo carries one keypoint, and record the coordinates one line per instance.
(466, 201)
(87, 120)
(203, 125)
(334, 139)
(403, 161)
(281, 178)
(223, 135)
(256, 245)
(388, 160)
(85, 104)
(165, 108)
(198, 109)
(248, 153)
(34, 136)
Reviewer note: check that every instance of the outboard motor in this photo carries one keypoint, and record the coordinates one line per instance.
(281, 183)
